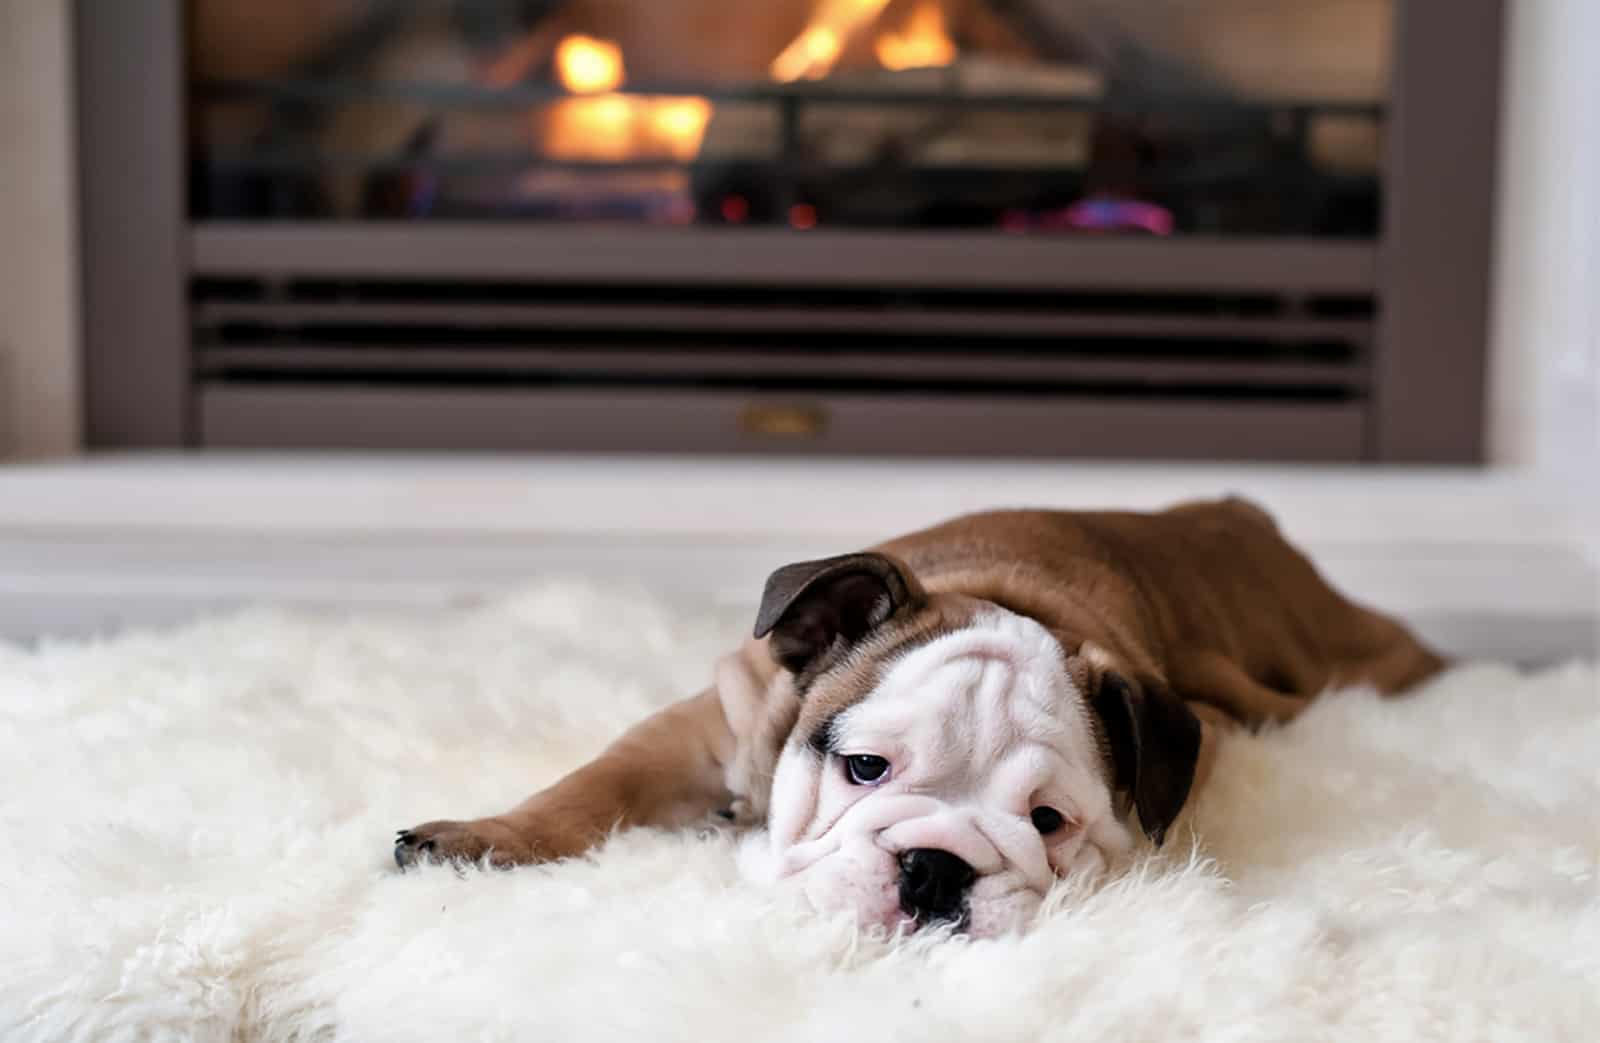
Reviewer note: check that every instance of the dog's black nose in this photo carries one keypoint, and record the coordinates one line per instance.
(933, 883)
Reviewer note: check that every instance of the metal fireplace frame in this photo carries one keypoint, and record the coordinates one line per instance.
(1423, 384)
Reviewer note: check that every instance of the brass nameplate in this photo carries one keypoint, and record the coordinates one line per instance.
(781, 421)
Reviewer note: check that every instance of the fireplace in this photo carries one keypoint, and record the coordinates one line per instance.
(1053, 227)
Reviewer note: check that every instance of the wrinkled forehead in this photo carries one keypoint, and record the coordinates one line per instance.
(851, 680)
(980, 678)
(1000, 671)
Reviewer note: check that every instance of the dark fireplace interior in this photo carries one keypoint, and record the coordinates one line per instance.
(1052, 117)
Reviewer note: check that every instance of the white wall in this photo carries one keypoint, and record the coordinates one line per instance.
(39, 387)
(1545, 350)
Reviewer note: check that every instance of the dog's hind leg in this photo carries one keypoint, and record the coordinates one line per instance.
(1213, 679)
(1394, 667)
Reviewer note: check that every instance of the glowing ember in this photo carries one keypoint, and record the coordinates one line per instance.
(589, 66)
(599, 128)
(678, 125)
(812, 54)
(611, 127)
(921, 44)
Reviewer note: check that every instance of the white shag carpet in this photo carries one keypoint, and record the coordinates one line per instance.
(198, 827)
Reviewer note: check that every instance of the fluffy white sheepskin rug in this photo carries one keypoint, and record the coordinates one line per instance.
(198, 825)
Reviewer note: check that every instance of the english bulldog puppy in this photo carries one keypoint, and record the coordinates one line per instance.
(935, 730)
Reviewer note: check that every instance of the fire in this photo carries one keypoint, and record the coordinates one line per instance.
(678, 125)
(587, 65)
(812, 54)
(599, 128)
(921, 44)
(611, 127)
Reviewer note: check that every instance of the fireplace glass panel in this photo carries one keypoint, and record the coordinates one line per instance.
(1033, 117)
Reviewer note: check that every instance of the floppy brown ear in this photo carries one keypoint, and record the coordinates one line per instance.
(814, 607)
(1154, 741)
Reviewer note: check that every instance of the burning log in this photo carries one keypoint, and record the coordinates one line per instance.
(1242, 50)
(927, 133)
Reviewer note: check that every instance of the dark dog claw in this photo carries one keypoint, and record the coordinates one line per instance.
(407, 849)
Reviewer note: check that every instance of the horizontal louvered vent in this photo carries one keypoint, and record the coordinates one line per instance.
(455, 334)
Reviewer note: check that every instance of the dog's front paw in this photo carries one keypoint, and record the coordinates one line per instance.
(447, 841)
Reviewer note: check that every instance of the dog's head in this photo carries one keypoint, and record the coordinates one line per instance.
(951, 758)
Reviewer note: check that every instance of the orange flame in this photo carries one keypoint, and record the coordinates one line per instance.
(921, 44)
(812, 54)
(611, 127)
(587, 65)
(678, 125)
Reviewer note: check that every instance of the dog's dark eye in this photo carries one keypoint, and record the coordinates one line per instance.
(866, 769)
(1047, 820)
